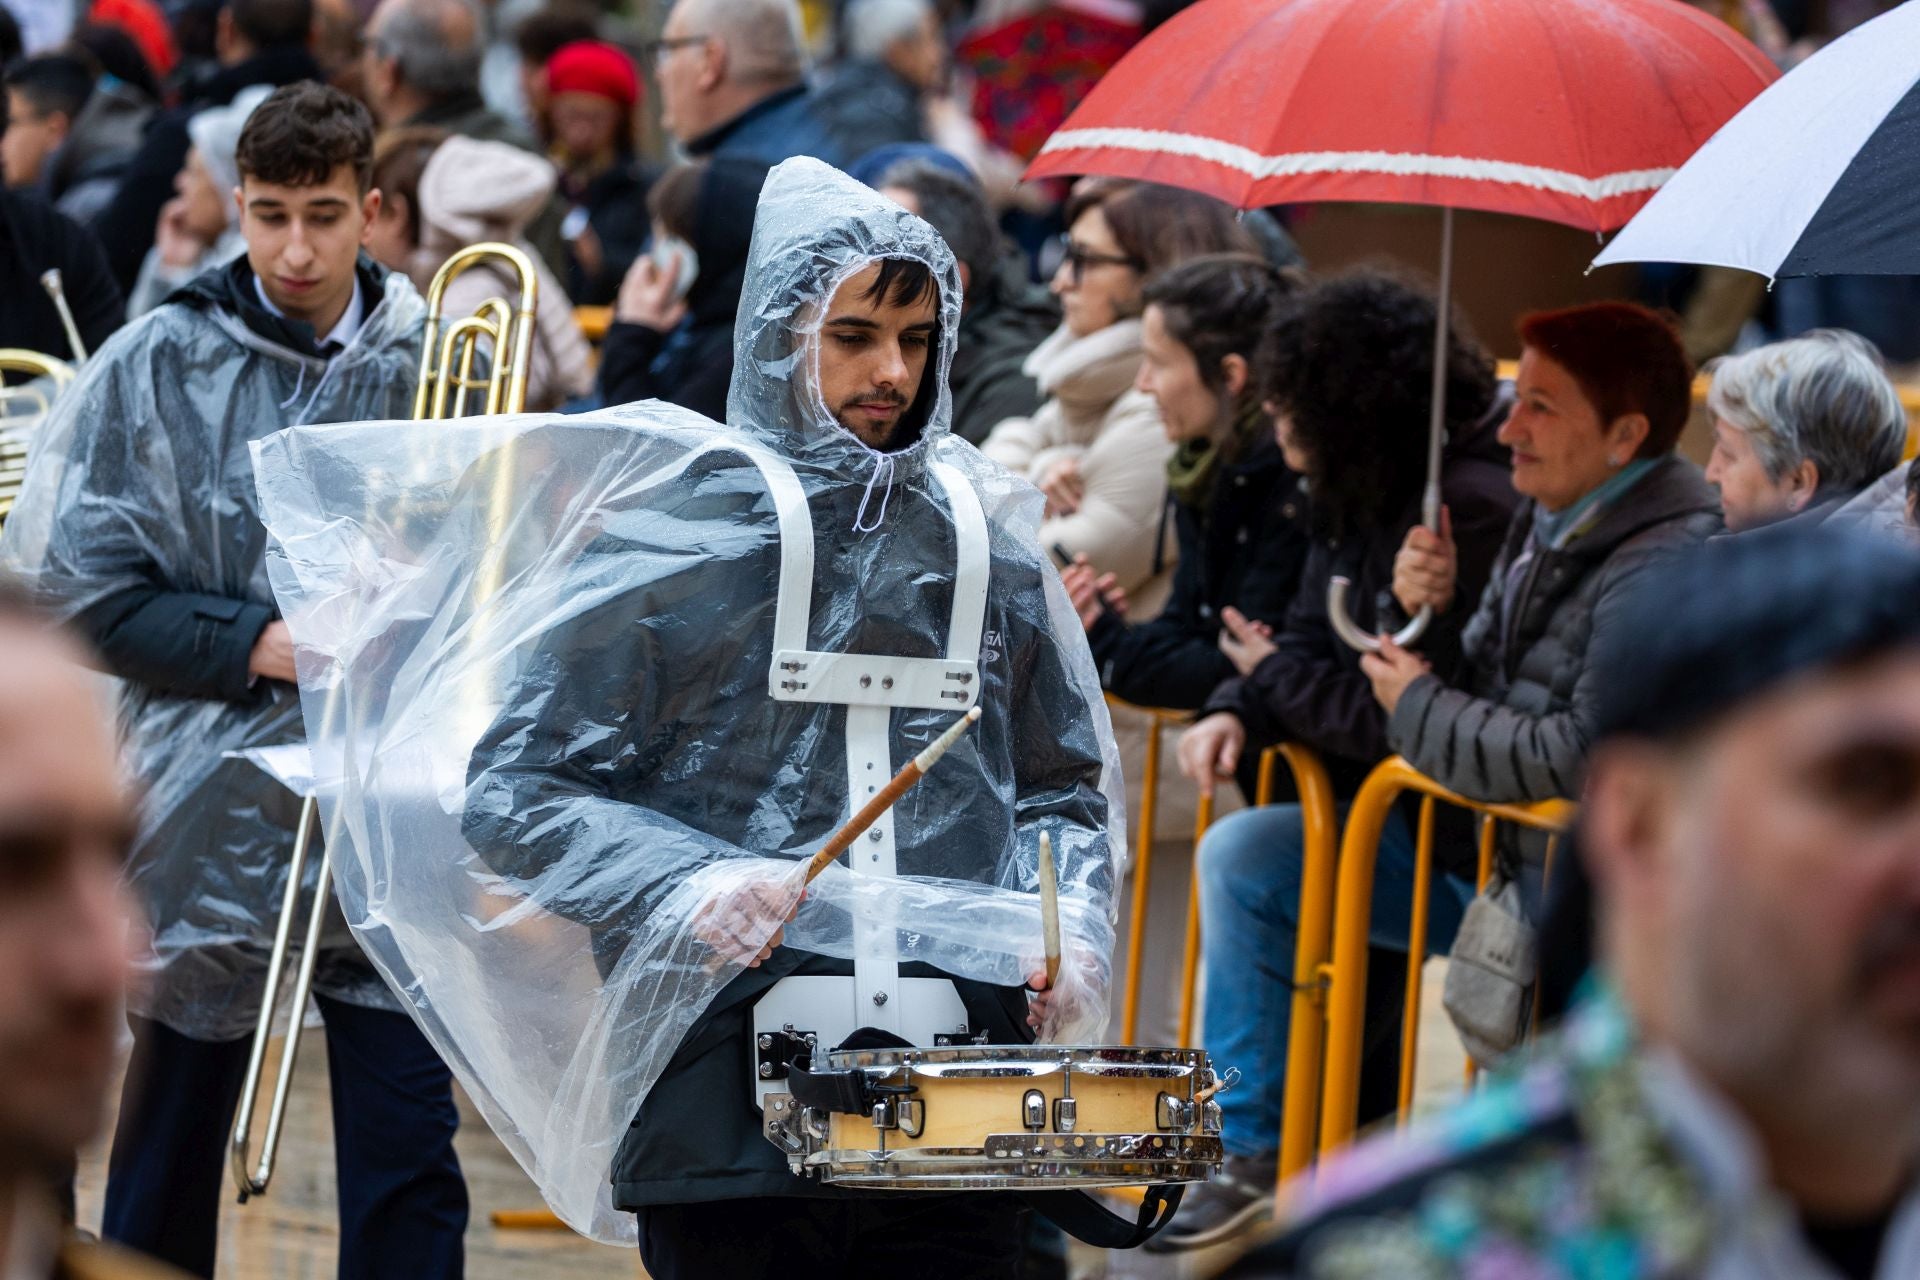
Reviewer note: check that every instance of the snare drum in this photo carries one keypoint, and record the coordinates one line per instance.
(985, 1116)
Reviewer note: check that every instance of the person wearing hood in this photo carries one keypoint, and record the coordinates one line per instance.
(1096, 448)
(1347, 379)
(672, 333)
(257, 42)
(197, 228)
(1005, 315)
(1803, 430)
(712, 644)
(439, 194)
(138, 521)
(89, 125)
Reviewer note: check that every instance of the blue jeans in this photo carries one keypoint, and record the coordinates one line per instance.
(1250, 872)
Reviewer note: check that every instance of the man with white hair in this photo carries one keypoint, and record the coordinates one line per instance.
(421, 66)
(895, 58)
(732, 77)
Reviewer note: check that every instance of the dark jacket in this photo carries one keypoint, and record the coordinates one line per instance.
(615, 201)
(84, 174)
(1246, 550)
(1007, 316)
(780, 126)
(1517, 721)
(126, 225)
(1311, 690)
(867, 106)
(33, 238)
(189, 643)
(693, 365)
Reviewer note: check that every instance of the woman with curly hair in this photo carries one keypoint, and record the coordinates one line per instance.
(1348, 378)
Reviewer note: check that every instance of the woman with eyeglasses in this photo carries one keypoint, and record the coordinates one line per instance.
(1096, 447)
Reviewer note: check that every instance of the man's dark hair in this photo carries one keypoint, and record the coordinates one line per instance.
(1221, 305)
(547, 30)
(903, 282)
(302, 133)
(54, 81)
(119, 56)
(1626, 359)
(954, 207)
(1352, 366)
(269, 24)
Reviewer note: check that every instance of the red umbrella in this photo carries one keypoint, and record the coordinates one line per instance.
(1569, 110)
(1574, 111)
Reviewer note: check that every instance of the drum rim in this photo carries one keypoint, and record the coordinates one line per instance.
(1053, 1055)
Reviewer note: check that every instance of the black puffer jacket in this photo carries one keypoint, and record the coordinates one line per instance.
(1517, 722)
(1311, 689)
(1246, 549)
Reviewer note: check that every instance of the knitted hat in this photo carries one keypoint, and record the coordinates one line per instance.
(594, 67)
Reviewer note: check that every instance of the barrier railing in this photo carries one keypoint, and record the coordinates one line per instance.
(1321, 821)
(1341, 970)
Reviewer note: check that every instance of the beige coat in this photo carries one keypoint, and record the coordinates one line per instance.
(1093, 414)
(472, 191)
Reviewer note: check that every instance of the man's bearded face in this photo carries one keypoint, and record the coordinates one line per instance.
(873, 351)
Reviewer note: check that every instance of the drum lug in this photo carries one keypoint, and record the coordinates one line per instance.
(1033, 1110)
(1173, 1115)
(912, 1114)
(1065, 1114)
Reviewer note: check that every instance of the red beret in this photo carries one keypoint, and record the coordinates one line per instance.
(595, 67)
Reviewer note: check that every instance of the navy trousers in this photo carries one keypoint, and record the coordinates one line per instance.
(403, 1203)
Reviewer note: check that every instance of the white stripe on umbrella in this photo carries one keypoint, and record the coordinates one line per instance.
(1398, 164)
(1746, 197)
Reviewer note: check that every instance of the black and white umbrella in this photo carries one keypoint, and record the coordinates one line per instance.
(1819, 175)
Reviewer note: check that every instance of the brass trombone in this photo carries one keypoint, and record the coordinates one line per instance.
(21, 408)
(447, 363)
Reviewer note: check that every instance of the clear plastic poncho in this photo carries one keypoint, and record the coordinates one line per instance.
(538, 654)
(140, 477)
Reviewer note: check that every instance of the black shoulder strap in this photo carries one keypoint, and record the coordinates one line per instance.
(1084, 1218)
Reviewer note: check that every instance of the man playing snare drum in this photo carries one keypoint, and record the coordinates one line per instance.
(717, 644)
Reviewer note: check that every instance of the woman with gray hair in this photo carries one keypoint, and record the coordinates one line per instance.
(1801, 427)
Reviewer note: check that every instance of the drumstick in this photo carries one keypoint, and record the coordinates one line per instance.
(870, 813)
(1049, 908)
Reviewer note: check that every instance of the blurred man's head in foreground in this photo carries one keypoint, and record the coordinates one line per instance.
(1752, 824)
(65, 920)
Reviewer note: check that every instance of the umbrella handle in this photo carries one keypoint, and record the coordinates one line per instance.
(1343, 625)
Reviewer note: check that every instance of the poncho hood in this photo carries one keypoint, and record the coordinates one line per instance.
(797, 261)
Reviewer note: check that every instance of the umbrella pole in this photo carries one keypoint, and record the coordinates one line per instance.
(1337, 587)
(1437, 413)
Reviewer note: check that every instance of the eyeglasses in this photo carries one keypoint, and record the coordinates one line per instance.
(657, 50)
(1078, 258)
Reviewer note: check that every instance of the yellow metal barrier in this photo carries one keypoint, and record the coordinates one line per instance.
(593, 322)
(1316, 798)
(1343, 971)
